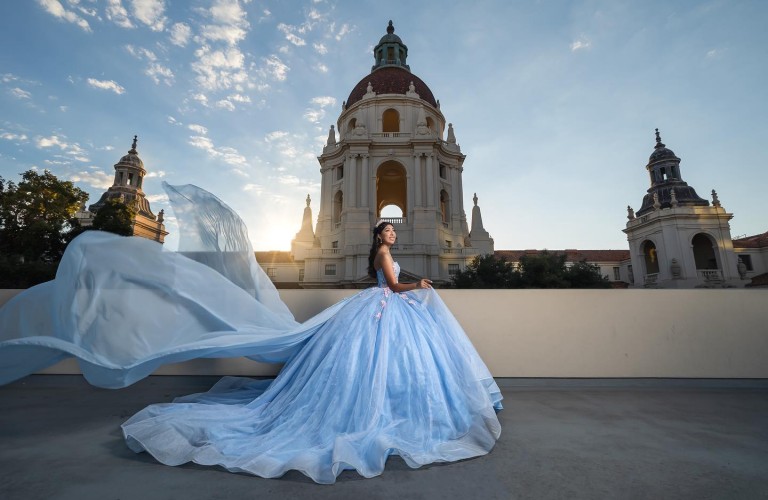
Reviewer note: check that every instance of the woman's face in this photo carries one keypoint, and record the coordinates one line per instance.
(388, 235)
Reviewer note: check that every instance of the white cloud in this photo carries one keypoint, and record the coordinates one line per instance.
(55, 141)
(581, 44)
(106, 85)
(229, 22)
(20, 94)
(150, 12)
(117, 14)
(219, 69)
(57, 10)
(276, 135)
(157, 198)
(157, 173)
(173, 121)
(343, 31)
(63, 109)
(255, 188)
(13, 137)
(239, 98)
(317, 113)
(157, 72)
(322, 68)
(180, 34)
(96, 178)
(225, 104)
(714, 53)
(141, 52)
(276, 68)
(288, 31)
(198, 129)
(221, 33)
(320, 48)
(324, 101)
(229, 155)
(201, 98)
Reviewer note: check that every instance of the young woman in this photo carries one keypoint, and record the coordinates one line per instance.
(387, 371)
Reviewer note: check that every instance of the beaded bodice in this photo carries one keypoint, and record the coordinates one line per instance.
(381, 281)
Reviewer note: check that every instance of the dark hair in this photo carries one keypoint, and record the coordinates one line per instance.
(375, 247)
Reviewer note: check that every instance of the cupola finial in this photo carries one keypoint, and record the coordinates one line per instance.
(390, 27)
(133, 146)
(659, 144)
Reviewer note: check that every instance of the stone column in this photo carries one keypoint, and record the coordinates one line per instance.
(365, 183)
(417, 202)
(350, 172)
(430, 182)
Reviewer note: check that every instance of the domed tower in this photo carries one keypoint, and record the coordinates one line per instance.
(127, 187)
(677, 239)
(391, 161)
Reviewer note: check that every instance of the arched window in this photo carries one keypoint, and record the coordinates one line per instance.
(391, 187)
(431, 124)
(338, 201)
(351, 125)
(445, 206)
(391, 212)
(390, 121)
(651, 257)
(704, 252)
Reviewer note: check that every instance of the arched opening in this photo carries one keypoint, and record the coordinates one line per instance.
(351, 124)
(445, 206)
(704, 252)
(338, 202)
(650, 257)
(431, 124)
(391, 212)
(390, 121)
(391, 188)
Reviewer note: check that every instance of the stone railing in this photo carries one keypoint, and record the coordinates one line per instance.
(710, 275)
(651, 279)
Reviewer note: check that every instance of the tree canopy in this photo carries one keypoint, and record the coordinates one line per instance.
(37, 215)
(542, 270)
(116, 217)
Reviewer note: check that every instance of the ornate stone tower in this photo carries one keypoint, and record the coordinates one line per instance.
(391, 157)
(676, 239)
(129, 177)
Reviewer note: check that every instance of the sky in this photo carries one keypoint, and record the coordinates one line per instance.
(554, 102)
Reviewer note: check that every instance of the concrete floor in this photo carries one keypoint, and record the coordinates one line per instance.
(570, 439)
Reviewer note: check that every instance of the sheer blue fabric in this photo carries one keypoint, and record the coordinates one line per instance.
(377, 374)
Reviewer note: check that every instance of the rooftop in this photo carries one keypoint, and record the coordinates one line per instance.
(561, 438)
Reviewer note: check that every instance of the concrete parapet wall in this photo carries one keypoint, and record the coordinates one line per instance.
(574, 333)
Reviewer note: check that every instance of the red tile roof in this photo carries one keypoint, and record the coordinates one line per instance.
(571, 255)
(755, 241)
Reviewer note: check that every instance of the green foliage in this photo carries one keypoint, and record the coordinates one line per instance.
(116, 217)
(487, 271)
(36, 216)
(542, 270)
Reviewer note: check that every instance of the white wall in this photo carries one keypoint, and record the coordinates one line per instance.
(577, 333)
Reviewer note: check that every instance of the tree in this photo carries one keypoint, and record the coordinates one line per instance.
(116, 217)
(487, 271)
(37, 215)
(541, 270)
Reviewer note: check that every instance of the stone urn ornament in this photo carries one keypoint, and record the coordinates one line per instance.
(674, 268)
(742, 268)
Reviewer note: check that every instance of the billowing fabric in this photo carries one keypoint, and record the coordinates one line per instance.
(377, 374)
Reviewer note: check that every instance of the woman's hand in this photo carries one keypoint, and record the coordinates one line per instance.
(424, 283)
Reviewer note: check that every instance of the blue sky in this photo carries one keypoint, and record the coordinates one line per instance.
(553, 102)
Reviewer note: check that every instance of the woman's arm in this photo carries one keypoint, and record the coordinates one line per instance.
(388, 268)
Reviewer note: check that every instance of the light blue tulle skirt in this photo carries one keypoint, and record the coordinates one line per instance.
(374, 375)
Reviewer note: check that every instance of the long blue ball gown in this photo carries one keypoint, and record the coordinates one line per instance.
(377, 374)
